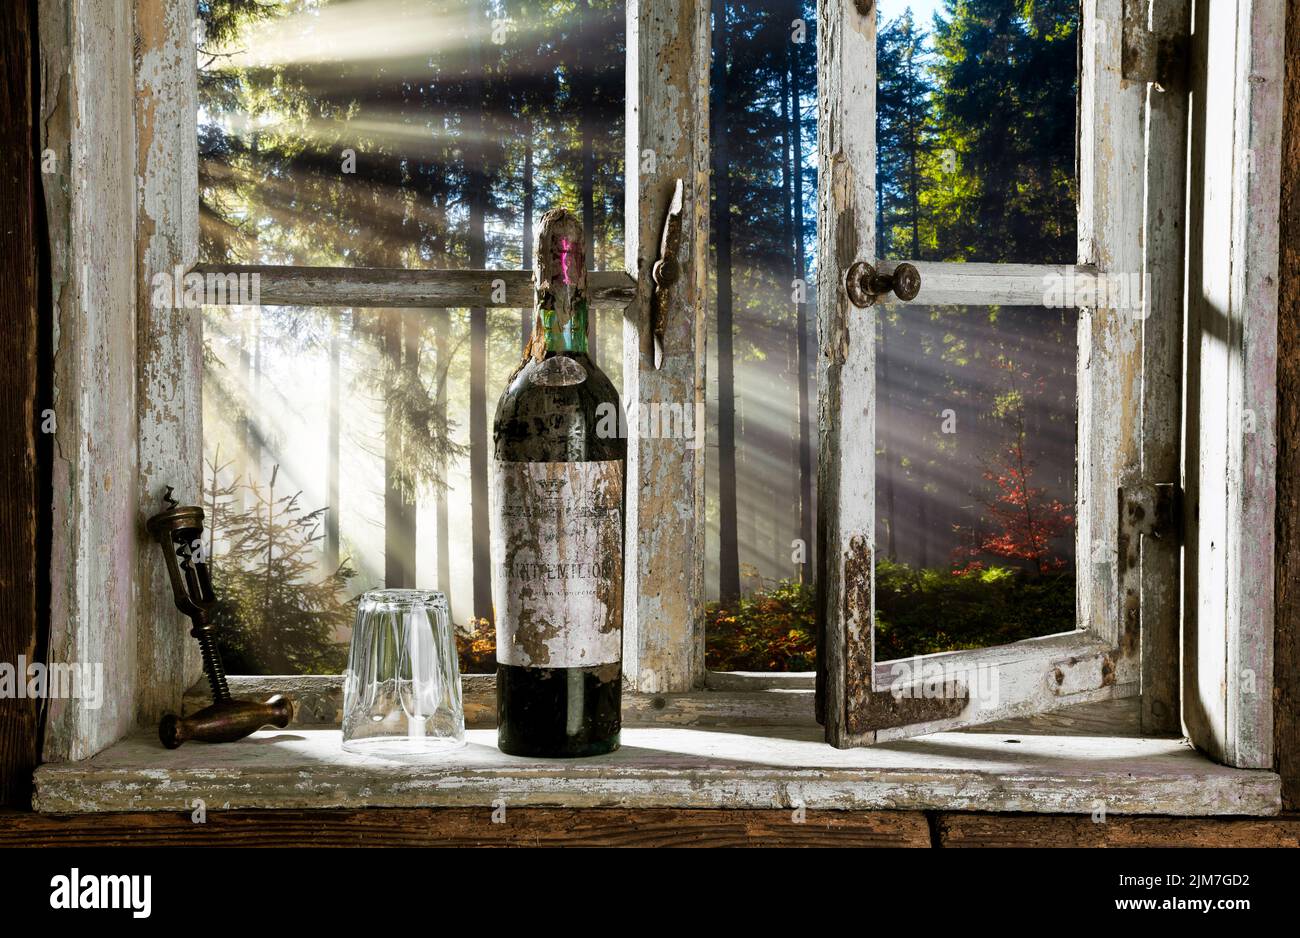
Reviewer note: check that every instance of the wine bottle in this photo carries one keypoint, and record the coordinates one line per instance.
(557, 511)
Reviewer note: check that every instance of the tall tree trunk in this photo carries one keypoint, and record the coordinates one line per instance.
(409, 504)
(886, 425)
(787, 219)
(925, 466)
(478, 333)
(526, 313)
(586, 123)
(332, 456)
(244, 430)
(440, 347)
(801, 324)
(728, 546)
(255, 427)
(396, 551)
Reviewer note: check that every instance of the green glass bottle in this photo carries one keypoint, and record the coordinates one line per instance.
(557, 538)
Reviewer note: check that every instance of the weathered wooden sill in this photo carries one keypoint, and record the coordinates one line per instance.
(672, 767)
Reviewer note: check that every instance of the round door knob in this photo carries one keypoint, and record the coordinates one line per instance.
(865, 285)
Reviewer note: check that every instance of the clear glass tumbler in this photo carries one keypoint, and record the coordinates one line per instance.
(401, 691)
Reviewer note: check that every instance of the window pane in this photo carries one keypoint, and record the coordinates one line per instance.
(975, 453)
(761, 459)
(337, 459)
(976, 147)
(408, 133)
(975, 130)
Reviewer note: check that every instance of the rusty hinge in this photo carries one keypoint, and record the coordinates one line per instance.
(1150, 509)
(1163, 59)
(1146, 510)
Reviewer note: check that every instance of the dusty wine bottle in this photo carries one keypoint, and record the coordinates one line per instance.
(557, 537)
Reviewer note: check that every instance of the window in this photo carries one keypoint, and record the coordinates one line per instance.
(975, 122)
(345, 446)
(429, 137)
(949, 143)
(1099, 652)
(1155, 441)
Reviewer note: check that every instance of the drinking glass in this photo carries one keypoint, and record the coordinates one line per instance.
(401, 691)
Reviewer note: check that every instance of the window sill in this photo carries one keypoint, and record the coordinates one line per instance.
(672, 767)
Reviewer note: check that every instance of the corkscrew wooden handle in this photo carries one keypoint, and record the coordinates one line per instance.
(225, 721)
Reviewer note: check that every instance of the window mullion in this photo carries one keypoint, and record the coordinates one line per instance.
(401, 288)
(667, 126)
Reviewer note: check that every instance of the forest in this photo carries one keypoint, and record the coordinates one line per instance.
(348, 448)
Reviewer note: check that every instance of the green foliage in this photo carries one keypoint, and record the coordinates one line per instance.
(918, 612)
(1008, 191)
(921, 611)
(274, 614)
(771, 630)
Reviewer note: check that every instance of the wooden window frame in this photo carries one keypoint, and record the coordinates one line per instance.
(1103, 657)
(120, 119)
(666, 115)
(1133, 146)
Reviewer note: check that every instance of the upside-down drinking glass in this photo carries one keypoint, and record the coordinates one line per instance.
(401, 691)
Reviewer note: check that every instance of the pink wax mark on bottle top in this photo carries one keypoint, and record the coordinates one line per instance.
(565, 247)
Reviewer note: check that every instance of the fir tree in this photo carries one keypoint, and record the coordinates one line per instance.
(275, 614)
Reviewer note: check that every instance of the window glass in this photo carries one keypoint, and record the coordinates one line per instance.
(336, 460)
(975, 451)
(407, 133)
(975, 135)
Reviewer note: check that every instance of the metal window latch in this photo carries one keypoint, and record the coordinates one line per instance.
(865, 285)
(666, 272)
(1151, 509)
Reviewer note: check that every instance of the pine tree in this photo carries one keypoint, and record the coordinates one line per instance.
(274, 613)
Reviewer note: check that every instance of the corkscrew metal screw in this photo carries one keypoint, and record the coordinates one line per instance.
(178, 529)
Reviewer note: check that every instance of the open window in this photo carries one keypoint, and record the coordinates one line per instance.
(1176, 188)
(1124, 293)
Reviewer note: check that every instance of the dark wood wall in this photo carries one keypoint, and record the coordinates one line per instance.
(24, 454)
(1286, 668)
(20, 571)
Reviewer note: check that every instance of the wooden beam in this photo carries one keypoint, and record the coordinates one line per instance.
(87, 127)
(473, 827)
(615, 827)
(1231, 380)
(1164, 233)
(1071, 286)
(750, 700)
(846, 376)
(667, 120)
(672, 767)
(1002, 830)
(1111, 214)
(1286, 644)
(169, 340)
(404, 288)
(20, 619)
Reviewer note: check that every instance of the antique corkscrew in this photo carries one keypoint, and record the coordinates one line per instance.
(179, 530)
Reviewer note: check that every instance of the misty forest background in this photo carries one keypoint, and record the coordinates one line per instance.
(347, 449)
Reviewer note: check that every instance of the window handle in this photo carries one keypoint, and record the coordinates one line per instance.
(666, 272)
(865, 285)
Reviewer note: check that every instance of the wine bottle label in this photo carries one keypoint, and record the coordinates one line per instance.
(557, 556)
